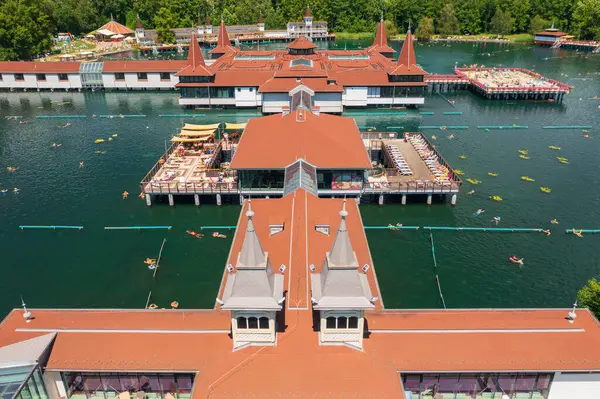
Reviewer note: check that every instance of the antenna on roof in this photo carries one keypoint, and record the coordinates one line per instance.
(374, 299)
(572, 315)
(26, 313)
(111, 17)
(312, 268)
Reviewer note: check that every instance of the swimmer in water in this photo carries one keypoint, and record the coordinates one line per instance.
(471, 192)
(16, 190)
(554, 221)
(433, 138)
(451, 136)
(479, 212)
(125, 195)
(516, 260)
(496, 219)
(547, 232)
(81, 164)
(577, 233)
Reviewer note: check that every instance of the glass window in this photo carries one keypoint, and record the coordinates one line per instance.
(129, 382)
(25, 393)
(63, 77)
(263, 322)
(252, 323)
(330, 322)
(111, 382)
(40, 77)
(167, 383)
(39, 382)
(184, 384)
(525, 382)
(1, 78)
(506, 382)
(19, 76)
(242, 322)
(412, 382)
(448, 382)
(543, 381)
(430, 382)
(149, 383)
(142, 76)
(353, 322)
(470, 384)
(239, 89)
(165, 76)
(342, 322)
(119, 76)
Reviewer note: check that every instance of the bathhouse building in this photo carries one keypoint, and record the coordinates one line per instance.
(548, 37)
(299, 313)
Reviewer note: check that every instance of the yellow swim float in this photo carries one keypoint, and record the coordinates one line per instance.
(492, 174)
(527, 178)
(545, 189)
(496, 198)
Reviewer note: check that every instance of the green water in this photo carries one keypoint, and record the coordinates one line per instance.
(98, 268)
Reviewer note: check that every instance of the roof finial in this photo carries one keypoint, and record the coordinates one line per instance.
(344, 212)
(381, 19)
(250, 212)
(409, 26)
(111, 17)
(26, 313)
(572, 315)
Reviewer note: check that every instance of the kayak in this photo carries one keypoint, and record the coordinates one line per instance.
(553, 147)
(524, 152)
(462, 156)
(527, 178)
(458, 172)
(98, 141)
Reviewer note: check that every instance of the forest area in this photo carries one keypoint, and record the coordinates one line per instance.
(27, 27)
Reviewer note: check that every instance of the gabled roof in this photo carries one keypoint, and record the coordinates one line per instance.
(254, 285)
(223, 42)
(195, 61)
(407, 62)
(380, 43)
(116, 28)
(138, 24)
(301, 43)
(340, 285)
(308, 14)
(325, 141)
(25, 352)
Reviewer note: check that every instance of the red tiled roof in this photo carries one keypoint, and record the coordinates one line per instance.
(144, 66)
(551, 33)
(208, 21)
(380, 44)
(117, 28)
(325, 141)
(138, 24)
(308, 13)
(284, 85)
(407, 62)
(195, 61)
(301, 43)
(39, 67)
(223, 42)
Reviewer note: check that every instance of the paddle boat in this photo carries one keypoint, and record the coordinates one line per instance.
(553, 147)
(527, 178)
(496, 198)
(492, 174)
(546, 189)
(473, 181)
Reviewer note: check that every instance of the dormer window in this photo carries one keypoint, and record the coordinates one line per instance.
(301, 61)
(275, 228)
(322, 228)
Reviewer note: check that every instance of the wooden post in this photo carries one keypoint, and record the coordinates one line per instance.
(453, 199)
(219, 199)
(171, 200)
(148, 200)
(197, 199)
(380, 199)
(403, 199)
(429, 199)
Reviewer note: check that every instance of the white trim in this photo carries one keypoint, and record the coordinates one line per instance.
(479, 331)
(306, 270)
(133, 331)
(289, 285)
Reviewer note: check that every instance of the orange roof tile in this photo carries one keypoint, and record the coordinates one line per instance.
(143, 66)
(284, 85)
(380, 44)
(223, 42)
(116, 28)
(407, 62)
(39, 67)
(195, 61)
(301, 43)
(308, 14)
(325, 141)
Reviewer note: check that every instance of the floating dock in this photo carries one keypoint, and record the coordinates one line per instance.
(61, 116)
(506, 127)
(567, 127)
(487, 229)
(23, 227)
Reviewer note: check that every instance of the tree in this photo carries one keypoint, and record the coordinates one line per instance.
(25, 29)
(390, 28)
(586, 17)
(76, 16)
(519, 10)
(448, 24)
(589, 296)
(538, 24)
(502, 23)
(469, 16)
(165, 20)
(425, 29)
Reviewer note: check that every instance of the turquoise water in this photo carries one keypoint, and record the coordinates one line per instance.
(98, 268)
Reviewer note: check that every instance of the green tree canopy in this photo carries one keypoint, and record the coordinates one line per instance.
(165, 20)
(425, 29)
(25, 29)
(469, 16)
(586, 19)
(589, 296)
(448, 24)
(538, 24)
(502, 23)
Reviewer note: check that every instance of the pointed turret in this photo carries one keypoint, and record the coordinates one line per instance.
(341, 254)
(252, 254)
(195, 61)
(138, 24)
(381, 44)
(223, 42)
(307, 14)
(208, 26)
(407, 62)
(261, 24)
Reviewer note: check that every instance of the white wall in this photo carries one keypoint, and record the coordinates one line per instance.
(246, 96)
(131, 81)
(329, 102)
(355, 96)
(575, 386)
(273, 102)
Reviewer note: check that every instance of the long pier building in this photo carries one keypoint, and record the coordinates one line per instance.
(299, 314)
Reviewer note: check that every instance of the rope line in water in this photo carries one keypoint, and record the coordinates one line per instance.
(437, 280)
(22, 227)
(487, 229)
(180, 115)
(445, 127)
(567, 127)
(503, 127)
(216, 227)
(432, 250)
(159, 256)
(60, 116)
(137, 227)
(122, 116)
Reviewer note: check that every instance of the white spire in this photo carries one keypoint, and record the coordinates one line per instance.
(341, 253)
(252, 254)
(26, 313)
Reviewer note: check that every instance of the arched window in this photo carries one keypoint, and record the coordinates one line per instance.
(342, 322)
(263, 322)
(353, 322)
(242, 322)
(252, 323)
(330, 322)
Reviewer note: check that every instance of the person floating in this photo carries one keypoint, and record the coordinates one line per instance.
(496, 219)
(152, 266)
(216, 234)
(4, 190)
(471, 192)
(16, 190)
(554, 221)
(125, 195)
(451, 136)
(152, 306)
(193, 233)
(479, 212)
(547, 231)
(149, 261)
(578, 233)
(81, 164)
(516, 260)
(174, 304)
